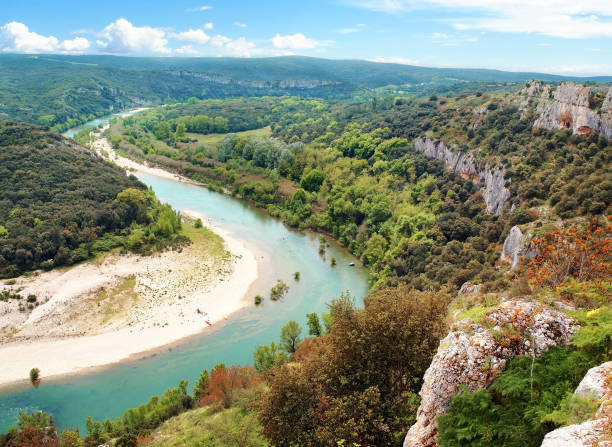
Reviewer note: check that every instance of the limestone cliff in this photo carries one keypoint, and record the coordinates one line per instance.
(595, 385)
(516, 246)
(570, 108)
(474, 355)
(283, 84)
(490, 178)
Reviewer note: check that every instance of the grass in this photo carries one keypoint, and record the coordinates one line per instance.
(117, 301)
(203, 427)
(476, 314)
(212, 139)
(207, 242)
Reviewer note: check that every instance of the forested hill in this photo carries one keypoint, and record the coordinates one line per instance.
(60, 203)
(64, 91)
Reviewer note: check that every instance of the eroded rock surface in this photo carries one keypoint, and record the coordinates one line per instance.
(475, 355)
(468, 287)
(516, 246)
(596, 385)
(570, 108)
(490, 178)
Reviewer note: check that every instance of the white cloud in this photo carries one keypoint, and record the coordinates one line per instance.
(199, 8)
(227, 46)
(123, 37)
(208, 25)
(240, 25)
(76, 45)
(16, 37)
(394, 60)
(560, 18)
(294, 41)
(193, 36)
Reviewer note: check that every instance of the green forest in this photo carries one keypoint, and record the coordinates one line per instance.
(347, 169)
(61, 204)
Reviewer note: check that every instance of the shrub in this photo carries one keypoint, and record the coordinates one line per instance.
(34, 375)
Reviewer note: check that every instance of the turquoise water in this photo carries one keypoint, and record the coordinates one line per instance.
(103, 120)
(281, 252)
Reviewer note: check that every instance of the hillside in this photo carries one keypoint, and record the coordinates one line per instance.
(61, 203)
(65, 91)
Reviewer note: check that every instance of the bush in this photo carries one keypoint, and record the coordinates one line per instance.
(518, 409)
(34, 375)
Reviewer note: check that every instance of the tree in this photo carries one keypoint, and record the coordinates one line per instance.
(200, 385)
(580, 253)
(34, 375)
(115, 141)
(361, 382)
(225, 384)
(314, 325)
(266, 356)
(4, 234)
(312, 181)
(290, 336)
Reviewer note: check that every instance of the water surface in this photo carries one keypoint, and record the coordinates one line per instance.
(280, 252)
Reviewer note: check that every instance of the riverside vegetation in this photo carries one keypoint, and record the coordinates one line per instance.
(350, 170)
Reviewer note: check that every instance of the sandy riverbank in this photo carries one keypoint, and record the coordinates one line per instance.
(113, 308)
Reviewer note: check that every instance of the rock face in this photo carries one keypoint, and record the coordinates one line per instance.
(570, 109)
(490, 178)
(283, 84)
(516, 245)
(475, 356)
(595, 385)
(468, 287)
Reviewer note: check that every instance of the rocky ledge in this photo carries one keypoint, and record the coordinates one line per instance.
(490, 178)
(516, 246)
(597, 384)
(569, 108)
(475, 355)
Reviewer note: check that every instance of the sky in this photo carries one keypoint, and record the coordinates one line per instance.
(553, 36)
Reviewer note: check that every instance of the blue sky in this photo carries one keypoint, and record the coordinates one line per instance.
(557, 36)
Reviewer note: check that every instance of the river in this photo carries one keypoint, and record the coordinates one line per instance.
(108, 392)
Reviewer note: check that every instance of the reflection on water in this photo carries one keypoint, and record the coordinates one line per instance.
(280, 251)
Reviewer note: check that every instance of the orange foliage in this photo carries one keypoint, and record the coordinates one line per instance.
(225, 383)
(306, 349)
(143, 440)
(580, 253)
(33, 437)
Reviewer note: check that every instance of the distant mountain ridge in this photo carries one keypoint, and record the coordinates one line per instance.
(358, 72)
(65, 91)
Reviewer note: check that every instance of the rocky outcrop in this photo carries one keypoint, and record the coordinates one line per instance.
(490, 178)
(570, 108)
(468, 287)
(516, 246)
(595, 385)
(475, 355)
(283, 84)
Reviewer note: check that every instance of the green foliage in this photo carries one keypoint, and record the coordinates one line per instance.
(143, 419)
(200, 385)
(290, 337)
(314, 325)
(312, 181)
(34, 374)
(37, 419)
(57, 201)
(266, 356)
(518, 409)
(4, 234)
(595, 334)
(258, 300)
(279, 290)
(338, 391)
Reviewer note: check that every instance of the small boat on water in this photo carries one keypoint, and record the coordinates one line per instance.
(351, 264)
(208, 323)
